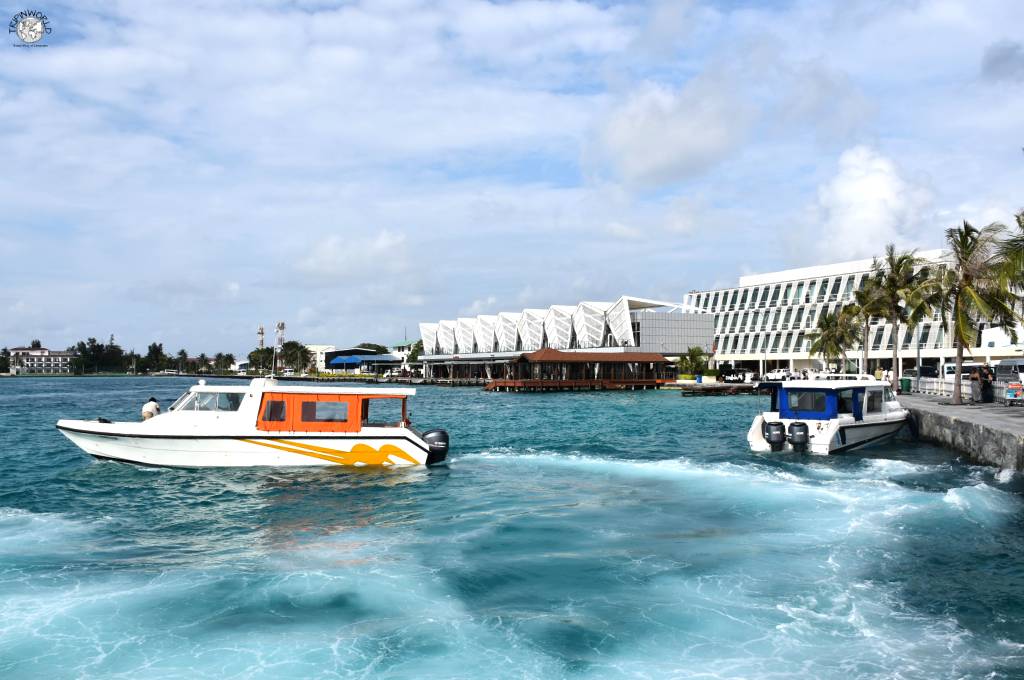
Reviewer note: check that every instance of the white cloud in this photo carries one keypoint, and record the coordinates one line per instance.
(480, 306)
(622, 231)
(661, 135)
(865, 206)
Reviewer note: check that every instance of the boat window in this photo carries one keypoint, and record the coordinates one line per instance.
(889, 396)
(874, 401)
(806, 400)
(382, 412)
(274, 411)
(324, 411)
(183, 402)
(846, 401)
(218, 401)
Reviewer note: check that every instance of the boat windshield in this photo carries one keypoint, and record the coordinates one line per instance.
(208, 401)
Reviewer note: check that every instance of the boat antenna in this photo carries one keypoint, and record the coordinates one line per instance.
(277, 346)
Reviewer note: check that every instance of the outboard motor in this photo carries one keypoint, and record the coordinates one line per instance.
(775, 435)
(799, 436)
(437, 442)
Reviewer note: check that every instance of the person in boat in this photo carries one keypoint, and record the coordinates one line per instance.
(150, 408)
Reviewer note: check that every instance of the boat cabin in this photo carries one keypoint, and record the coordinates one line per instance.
(804, 400)
(288, 408)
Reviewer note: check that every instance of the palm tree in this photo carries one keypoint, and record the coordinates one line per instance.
(1011, 252)
(296, 355)
(694, 361)
(835, 333)
(898, 279)
(867, 305)
(204, 363)
(182, 357)
(972, 287)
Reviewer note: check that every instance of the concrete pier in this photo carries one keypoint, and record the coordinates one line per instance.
(988, 434)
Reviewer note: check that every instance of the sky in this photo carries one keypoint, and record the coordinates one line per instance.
(185, 171)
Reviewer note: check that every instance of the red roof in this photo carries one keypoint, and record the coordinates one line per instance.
(554, 356)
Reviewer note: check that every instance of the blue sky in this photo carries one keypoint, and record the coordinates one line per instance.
(185, 171)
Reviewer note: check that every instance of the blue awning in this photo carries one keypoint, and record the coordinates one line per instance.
(346, 361)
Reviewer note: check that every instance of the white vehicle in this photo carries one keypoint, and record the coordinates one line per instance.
(780, 374)
(265, 423)
(823, 417)
(949, 370)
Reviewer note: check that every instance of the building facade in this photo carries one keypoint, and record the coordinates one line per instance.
(764, 323)
(481, 347)
(41, 361)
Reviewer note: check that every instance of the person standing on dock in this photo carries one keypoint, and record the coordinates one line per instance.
(975, 386)
(150, 408)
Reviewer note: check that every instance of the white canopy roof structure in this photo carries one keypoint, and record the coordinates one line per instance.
(485, 327)
(588, 325)
(531, 329)
(428, 334)
(589, 321)
(465, 335)
(446, 337)
(507, 331)
(558, 326)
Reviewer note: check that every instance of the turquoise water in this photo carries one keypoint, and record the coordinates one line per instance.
(571, 536)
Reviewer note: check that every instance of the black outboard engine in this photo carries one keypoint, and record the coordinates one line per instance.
(437, 442)
(775, 435)
(799, 436)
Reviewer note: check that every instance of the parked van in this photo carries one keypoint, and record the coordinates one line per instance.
(1010, 370)
(949, 370)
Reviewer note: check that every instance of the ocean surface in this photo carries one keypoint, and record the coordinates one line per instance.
(598, 535)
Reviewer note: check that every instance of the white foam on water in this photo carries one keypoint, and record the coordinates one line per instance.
(1005, 476)
(982, 503)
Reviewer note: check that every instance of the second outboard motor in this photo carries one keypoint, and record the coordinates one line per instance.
(799, 436)
(775, 435)
(437, 442)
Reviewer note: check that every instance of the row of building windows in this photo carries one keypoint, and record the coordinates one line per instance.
(928, 335)
(824, 290)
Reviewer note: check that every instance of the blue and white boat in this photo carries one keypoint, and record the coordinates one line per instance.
(826, 416)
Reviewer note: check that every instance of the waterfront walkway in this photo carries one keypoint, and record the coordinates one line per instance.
(991, 434)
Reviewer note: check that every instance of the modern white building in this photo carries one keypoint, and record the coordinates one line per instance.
(629, 324)
(41, 361)
(764, 322)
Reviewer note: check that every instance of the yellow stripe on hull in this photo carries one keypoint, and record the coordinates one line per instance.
(361, 454)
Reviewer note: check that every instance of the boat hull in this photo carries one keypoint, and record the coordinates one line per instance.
(831, 438)
(251, 451)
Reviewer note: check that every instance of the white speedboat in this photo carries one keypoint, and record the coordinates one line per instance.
(264, 423)
(826, 416)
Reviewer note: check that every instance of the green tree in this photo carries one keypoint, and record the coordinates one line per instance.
(260, 359)
(182, 358)
(415, 352)
(295, 355)
(35, 344)
(379, 349)
(898, 279)
(867, 304)
(204, 363)
(834, 334)
(1011, 254)
(972, 287)
(155, 359)
(5, 360)
(694, 361)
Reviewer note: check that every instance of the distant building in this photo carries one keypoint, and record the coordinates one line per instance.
(41, 361)
(765, 322)
(485, 346)
(319, 353)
